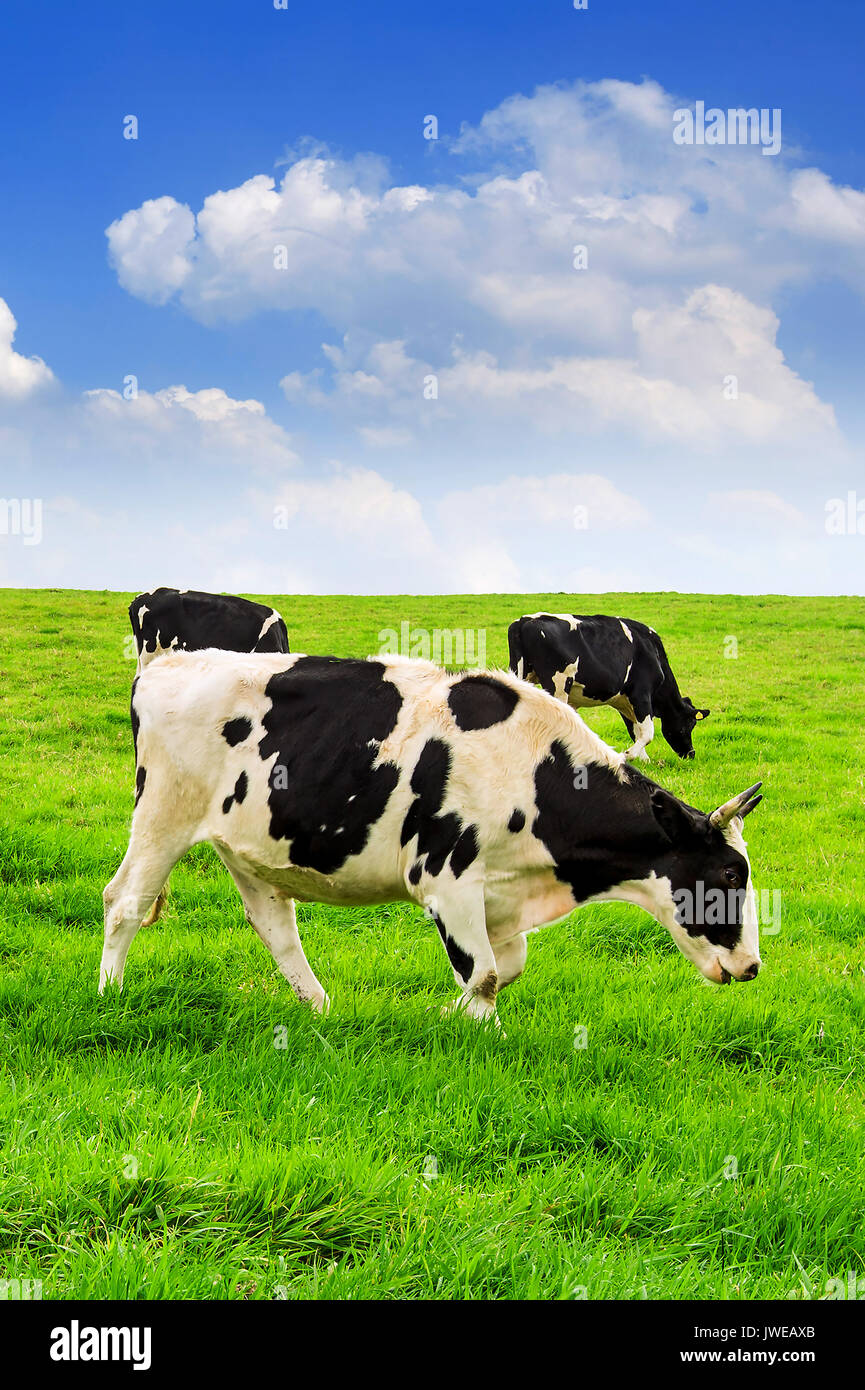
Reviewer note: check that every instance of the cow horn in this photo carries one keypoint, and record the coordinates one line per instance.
(741, 805)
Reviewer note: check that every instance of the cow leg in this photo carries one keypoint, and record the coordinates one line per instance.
(645, 732)
(272, 914)
(461, 923)
(629, 725)
(130, 894)
(511, 959)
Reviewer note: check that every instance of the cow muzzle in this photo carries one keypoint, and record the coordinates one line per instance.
(722, 976)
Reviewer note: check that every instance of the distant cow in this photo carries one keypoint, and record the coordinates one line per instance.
(474, 796)
(606, 661)
(184, 619)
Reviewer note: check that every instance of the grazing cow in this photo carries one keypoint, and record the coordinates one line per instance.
(475, 796)
(606, 661)
(172, 619)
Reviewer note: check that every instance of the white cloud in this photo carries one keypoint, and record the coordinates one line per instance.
(586, 163)
(826, 211)
(759, 507)
(704, 371)
(207, 421)
(152, 248)
(546, 501)
(198, 488)
(637, 346)
(19, 376)
(354, 501)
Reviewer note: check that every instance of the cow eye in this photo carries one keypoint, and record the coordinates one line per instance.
(733, 877)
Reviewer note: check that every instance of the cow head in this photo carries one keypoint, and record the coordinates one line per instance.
(677, 726)
(709, 907)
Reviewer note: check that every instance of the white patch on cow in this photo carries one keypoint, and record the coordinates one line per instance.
(268, 623)
(568, 618)
(560, 682)
(644, 730)
(628, 672)
(145, 656)
(748, 950)
(626, 630)
(655, 896)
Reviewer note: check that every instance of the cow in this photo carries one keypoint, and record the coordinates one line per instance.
(600, 660)
(172, 619)
(473, 795)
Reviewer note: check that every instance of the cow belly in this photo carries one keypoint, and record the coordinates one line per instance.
(580, 700)
(357, 884)
(515, 903)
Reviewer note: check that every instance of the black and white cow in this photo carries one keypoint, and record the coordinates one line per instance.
(475, 796)
(600, 660)
(185, 619)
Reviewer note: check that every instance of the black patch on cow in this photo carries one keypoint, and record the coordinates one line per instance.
(517, 821)
(415, 872)
(612, 830)
(236, 730)
(326, 720)
(133, 719)
(140, 778)
(478, 702)
(600, 833)
(189, 620)
(461, 961)
(465, 852)
(569, 684)
(438, 836)
(241, 787)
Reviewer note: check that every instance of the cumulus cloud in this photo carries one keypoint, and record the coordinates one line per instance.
(208, 420)
(590, 164)
(353, 501)
(572, 269)
(703, 371)
(477, 539)
(826, 211)
(152, 248)
(19, 376)
(201, 489)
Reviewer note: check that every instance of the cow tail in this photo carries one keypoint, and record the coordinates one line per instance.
(515, 650)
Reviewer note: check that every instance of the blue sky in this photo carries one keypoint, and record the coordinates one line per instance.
(558, 388)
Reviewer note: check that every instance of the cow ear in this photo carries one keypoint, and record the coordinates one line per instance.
(703, 713)
(674, 819)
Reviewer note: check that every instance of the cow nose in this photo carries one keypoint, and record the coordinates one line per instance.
(689, 754)
(752, 971)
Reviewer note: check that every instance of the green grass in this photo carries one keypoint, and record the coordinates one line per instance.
(159, 1145)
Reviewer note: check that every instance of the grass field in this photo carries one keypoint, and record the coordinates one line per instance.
(706, 1143)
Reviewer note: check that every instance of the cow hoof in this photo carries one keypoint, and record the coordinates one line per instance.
(470, 1008)
(322, 1005)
